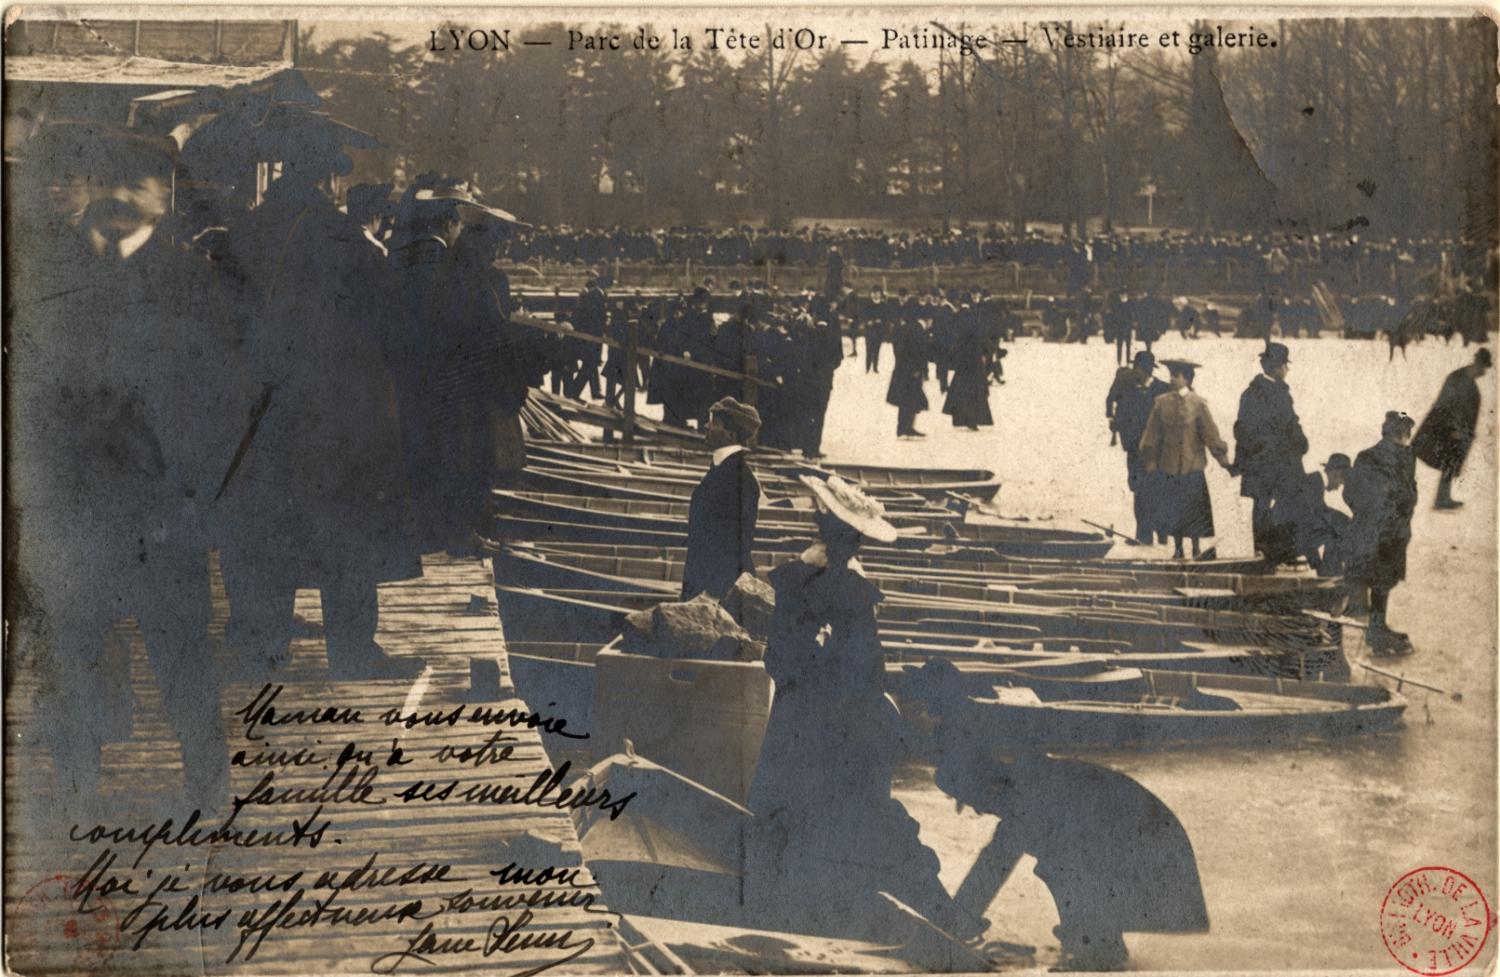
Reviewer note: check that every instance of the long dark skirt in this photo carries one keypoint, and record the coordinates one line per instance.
(1185, 506)
(968, 400)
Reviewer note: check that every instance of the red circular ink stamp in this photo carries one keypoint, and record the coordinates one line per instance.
(1435, 921)
(48, 926)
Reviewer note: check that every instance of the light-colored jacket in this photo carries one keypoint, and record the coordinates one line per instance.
(1180, 434)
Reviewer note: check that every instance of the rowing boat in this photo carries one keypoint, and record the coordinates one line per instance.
(593, 615)
(1147, 708)
(919, 528)
(656, 563)
(565, 566)
(978, 483)
(614, 482)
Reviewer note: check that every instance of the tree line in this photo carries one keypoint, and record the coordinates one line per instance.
(1382, 127)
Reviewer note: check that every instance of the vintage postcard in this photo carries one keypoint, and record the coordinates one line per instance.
(710, 490)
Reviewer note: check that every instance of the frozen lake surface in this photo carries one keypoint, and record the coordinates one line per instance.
(1297, 846)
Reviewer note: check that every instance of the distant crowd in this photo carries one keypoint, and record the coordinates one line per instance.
(813, 247)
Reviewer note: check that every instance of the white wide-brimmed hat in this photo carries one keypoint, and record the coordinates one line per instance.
(851, 506)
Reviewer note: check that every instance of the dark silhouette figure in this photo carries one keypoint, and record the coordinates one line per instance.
(1128, 406)
(321, 498)
(1382, 494)
(909, 343)
(724, 506)
(123, 416)
(1447, 433)
(827, 835)
(1269, 445)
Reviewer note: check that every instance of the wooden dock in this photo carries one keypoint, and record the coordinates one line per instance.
(434, 861)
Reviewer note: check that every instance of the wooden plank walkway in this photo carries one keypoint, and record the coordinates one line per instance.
(433, 863)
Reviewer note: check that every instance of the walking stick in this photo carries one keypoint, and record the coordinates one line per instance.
(1112, 531)
(256, 413)
(1402, 680)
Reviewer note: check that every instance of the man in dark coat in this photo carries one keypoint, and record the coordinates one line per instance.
(123, 417)
(698, 339)
(1447, 433)
(909, 343)
(321, 497)
(486, 366)
(1321, 530)
(968, 400)
(1381, 492)
(724, 507)
(824, 352)
(667, 383)
(590, 316)
(1118, 324)
(875, 329)
(833, 282)
(1128, 406)
(1269, 445)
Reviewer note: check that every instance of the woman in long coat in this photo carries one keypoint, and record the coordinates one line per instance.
(827, 835)
(968, 401)
(1381, 492)
(1179, 435)
(909, 343)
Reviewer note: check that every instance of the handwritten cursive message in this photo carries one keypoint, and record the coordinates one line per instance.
(382, 825)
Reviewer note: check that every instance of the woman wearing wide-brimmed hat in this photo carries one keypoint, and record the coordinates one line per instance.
(828, 836)
(1180, 434)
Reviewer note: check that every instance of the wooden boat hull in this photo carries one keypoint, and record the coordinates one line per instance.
(930, 482)
(554, 567)
(536, 614)
(1184, 707)
(919, 529)
(675, 485)
(1281, 589)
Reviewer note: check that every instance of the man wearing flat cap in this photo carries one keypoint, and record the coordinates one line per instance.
(724, 507)
(1269, 445)
(1382, 494)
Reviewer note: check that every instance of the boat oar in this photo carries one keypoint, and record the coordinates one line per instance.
(1401, 680)
(1111, 531)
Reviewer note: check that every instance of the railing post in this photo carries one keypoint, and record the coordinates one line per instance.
(632, 344)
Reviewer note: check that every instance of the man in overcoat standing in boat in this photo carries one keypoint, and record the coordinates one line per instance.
(724, 507)
(1269, 445)
(1447, 433)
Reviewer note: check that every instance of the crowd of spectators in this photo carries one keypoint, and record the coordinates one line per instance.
(812, 246)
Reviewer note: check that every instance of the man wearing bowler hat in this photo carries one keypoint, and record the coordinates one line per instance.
(724, 507)
(1269, 445)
